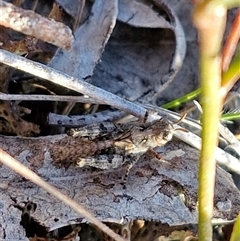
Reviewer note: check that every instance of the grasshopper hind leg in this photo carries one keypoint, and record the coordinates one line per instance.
(110, 162)
(103, 162)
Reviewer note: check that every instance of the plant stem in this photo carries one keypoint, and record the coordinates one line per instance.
(235, 233)
(209, 19)
(175, 103)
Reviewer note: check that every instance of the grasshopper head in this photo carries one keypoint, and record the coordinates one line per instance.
(162, 131)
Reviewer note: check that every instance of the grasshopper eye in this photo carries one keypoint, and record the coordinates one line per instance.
(163, 138)
(167, 136)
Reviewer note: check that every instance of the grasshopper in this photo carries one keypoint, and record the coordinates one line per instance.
(108, 145)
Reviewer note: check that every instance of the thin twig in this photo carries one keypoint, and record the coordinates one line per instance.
(82, 120)
(231, 43)
(27, 173)
(221, 156)
(57, 77)
(33, 24)
(226, 134)
(229, 137)
(64, 98)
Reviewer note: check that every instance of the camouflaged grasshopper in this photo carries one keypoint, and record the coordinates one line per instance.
(108, 145)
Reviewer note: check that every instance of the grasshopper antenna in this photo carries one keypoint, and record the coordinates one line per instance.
(180, 120)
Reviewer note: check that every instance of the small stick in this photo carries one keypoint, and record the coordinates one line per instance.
(75, 84)
(33, 24)
(82, 120)
(63, 98)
